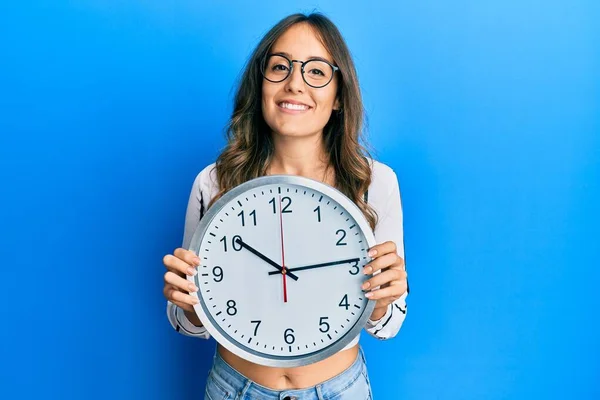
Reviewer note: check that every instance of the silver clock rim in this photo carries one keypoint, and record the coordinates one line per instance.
(207, 320)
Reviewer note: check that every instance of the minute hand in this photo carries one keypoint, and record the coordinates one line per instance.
(327, 264)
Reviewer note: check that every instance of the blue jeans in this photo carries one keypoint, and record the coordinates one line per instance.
(225, 383)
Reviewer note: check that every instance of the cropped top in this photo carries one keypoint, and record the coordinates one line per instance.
(383, 196)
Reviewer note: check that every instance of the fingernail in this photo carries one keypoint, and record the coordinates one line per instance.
(366, 285)
(369, 295)
(196, 261)
(191, 271)
(195, 300)
(192, 287)
(367, 270)
(371, 253)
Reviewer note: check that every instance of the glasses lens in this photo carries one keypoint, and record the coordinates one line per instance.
(317, 73)
(277, 68)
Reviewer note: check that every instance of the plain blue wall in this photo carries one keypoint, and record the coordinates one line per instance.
(487, 110)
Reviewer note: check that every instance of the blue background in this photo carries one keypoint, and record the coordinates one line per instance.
(489, 111)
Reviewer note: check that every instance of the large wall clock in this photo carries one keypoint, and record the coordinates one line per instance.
(281, 270)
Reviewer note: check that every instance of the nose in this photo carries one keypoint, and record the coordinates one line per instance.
(295, 82)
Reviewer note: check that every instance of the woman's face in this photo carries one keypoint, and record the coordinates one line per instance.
(313, 106)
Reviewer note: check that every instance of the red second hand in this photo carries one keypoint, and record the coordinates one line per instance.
(282, 253)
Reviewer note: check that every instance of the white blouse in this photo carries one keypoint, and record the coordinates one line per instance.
(383, 196)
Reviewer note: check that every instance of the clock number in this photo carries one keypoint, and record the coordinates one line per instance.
(234, 243)
(218, 273)
(284, 210)
(231, 310)
(236, 246)
(257, 325)
(289, 337)
(253, 214)
(324, 326)
(344, 302)
(339, 242)
(354, 265)
(318, 211)
(273, 202)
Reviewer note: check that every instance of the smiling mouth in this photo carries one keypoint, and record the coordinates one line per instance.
(294, 107)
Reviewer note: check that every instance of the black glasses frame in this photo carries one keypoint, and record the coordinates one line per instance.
(291, 70)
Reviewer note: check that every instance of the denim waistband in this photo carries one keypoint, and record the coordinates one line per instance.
(248, 389)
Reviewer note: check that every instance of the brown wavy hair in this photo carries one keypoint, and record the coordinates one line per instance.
(249, 148)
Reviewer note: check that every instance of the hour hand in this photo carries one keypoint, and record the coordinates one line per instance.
(266, 259)
(327, 264)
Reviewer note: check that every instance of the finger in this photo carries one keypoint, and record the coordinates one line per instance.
(179, 282)
(177, 265)
(183, 306)
(381, 262)
(382, 248)
(178, 296)
(168, 288)
(167, 291)
(381, 279)
(393, 291)
(187, 255)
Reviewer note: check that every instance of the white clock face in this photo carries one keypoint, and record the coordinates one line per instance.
(254, 309)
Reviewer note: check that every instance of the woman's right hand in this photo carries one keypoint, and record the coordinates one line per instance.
(179, 265)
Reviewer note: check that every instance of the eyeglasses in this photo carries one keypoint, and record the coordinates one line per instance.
(317, 73)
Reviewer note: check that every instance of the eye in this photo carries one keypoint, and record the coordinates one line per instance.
(279, 68)
(316, 71)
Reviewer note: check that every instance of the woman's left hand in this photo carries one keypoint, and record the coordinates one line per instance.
(392, 280)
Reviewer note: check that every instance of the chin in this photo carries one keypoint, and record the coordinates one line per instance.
(295, 129)
(293, 132)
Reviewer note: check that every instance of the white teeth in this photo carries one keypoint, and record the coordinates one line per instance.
(294, 106)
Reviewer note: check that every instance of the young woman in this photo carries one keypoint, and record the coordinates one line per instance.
(298, 111)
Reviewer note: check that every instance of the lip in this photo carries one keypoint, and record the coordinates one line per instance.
(290, 101)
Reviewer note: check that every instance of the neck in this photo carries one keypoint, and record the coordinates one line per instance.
(303, 156)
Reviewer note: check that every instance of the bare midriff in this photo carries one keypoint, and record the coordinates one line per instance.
(291, 378)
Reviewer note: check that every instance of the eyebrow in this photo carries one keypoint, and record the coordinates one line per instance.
(288, 55)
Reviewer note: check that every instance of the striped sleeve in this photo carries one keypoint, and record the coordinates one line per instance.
(195, 210)
(182, 325)
(388, 326)
(389, 228)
